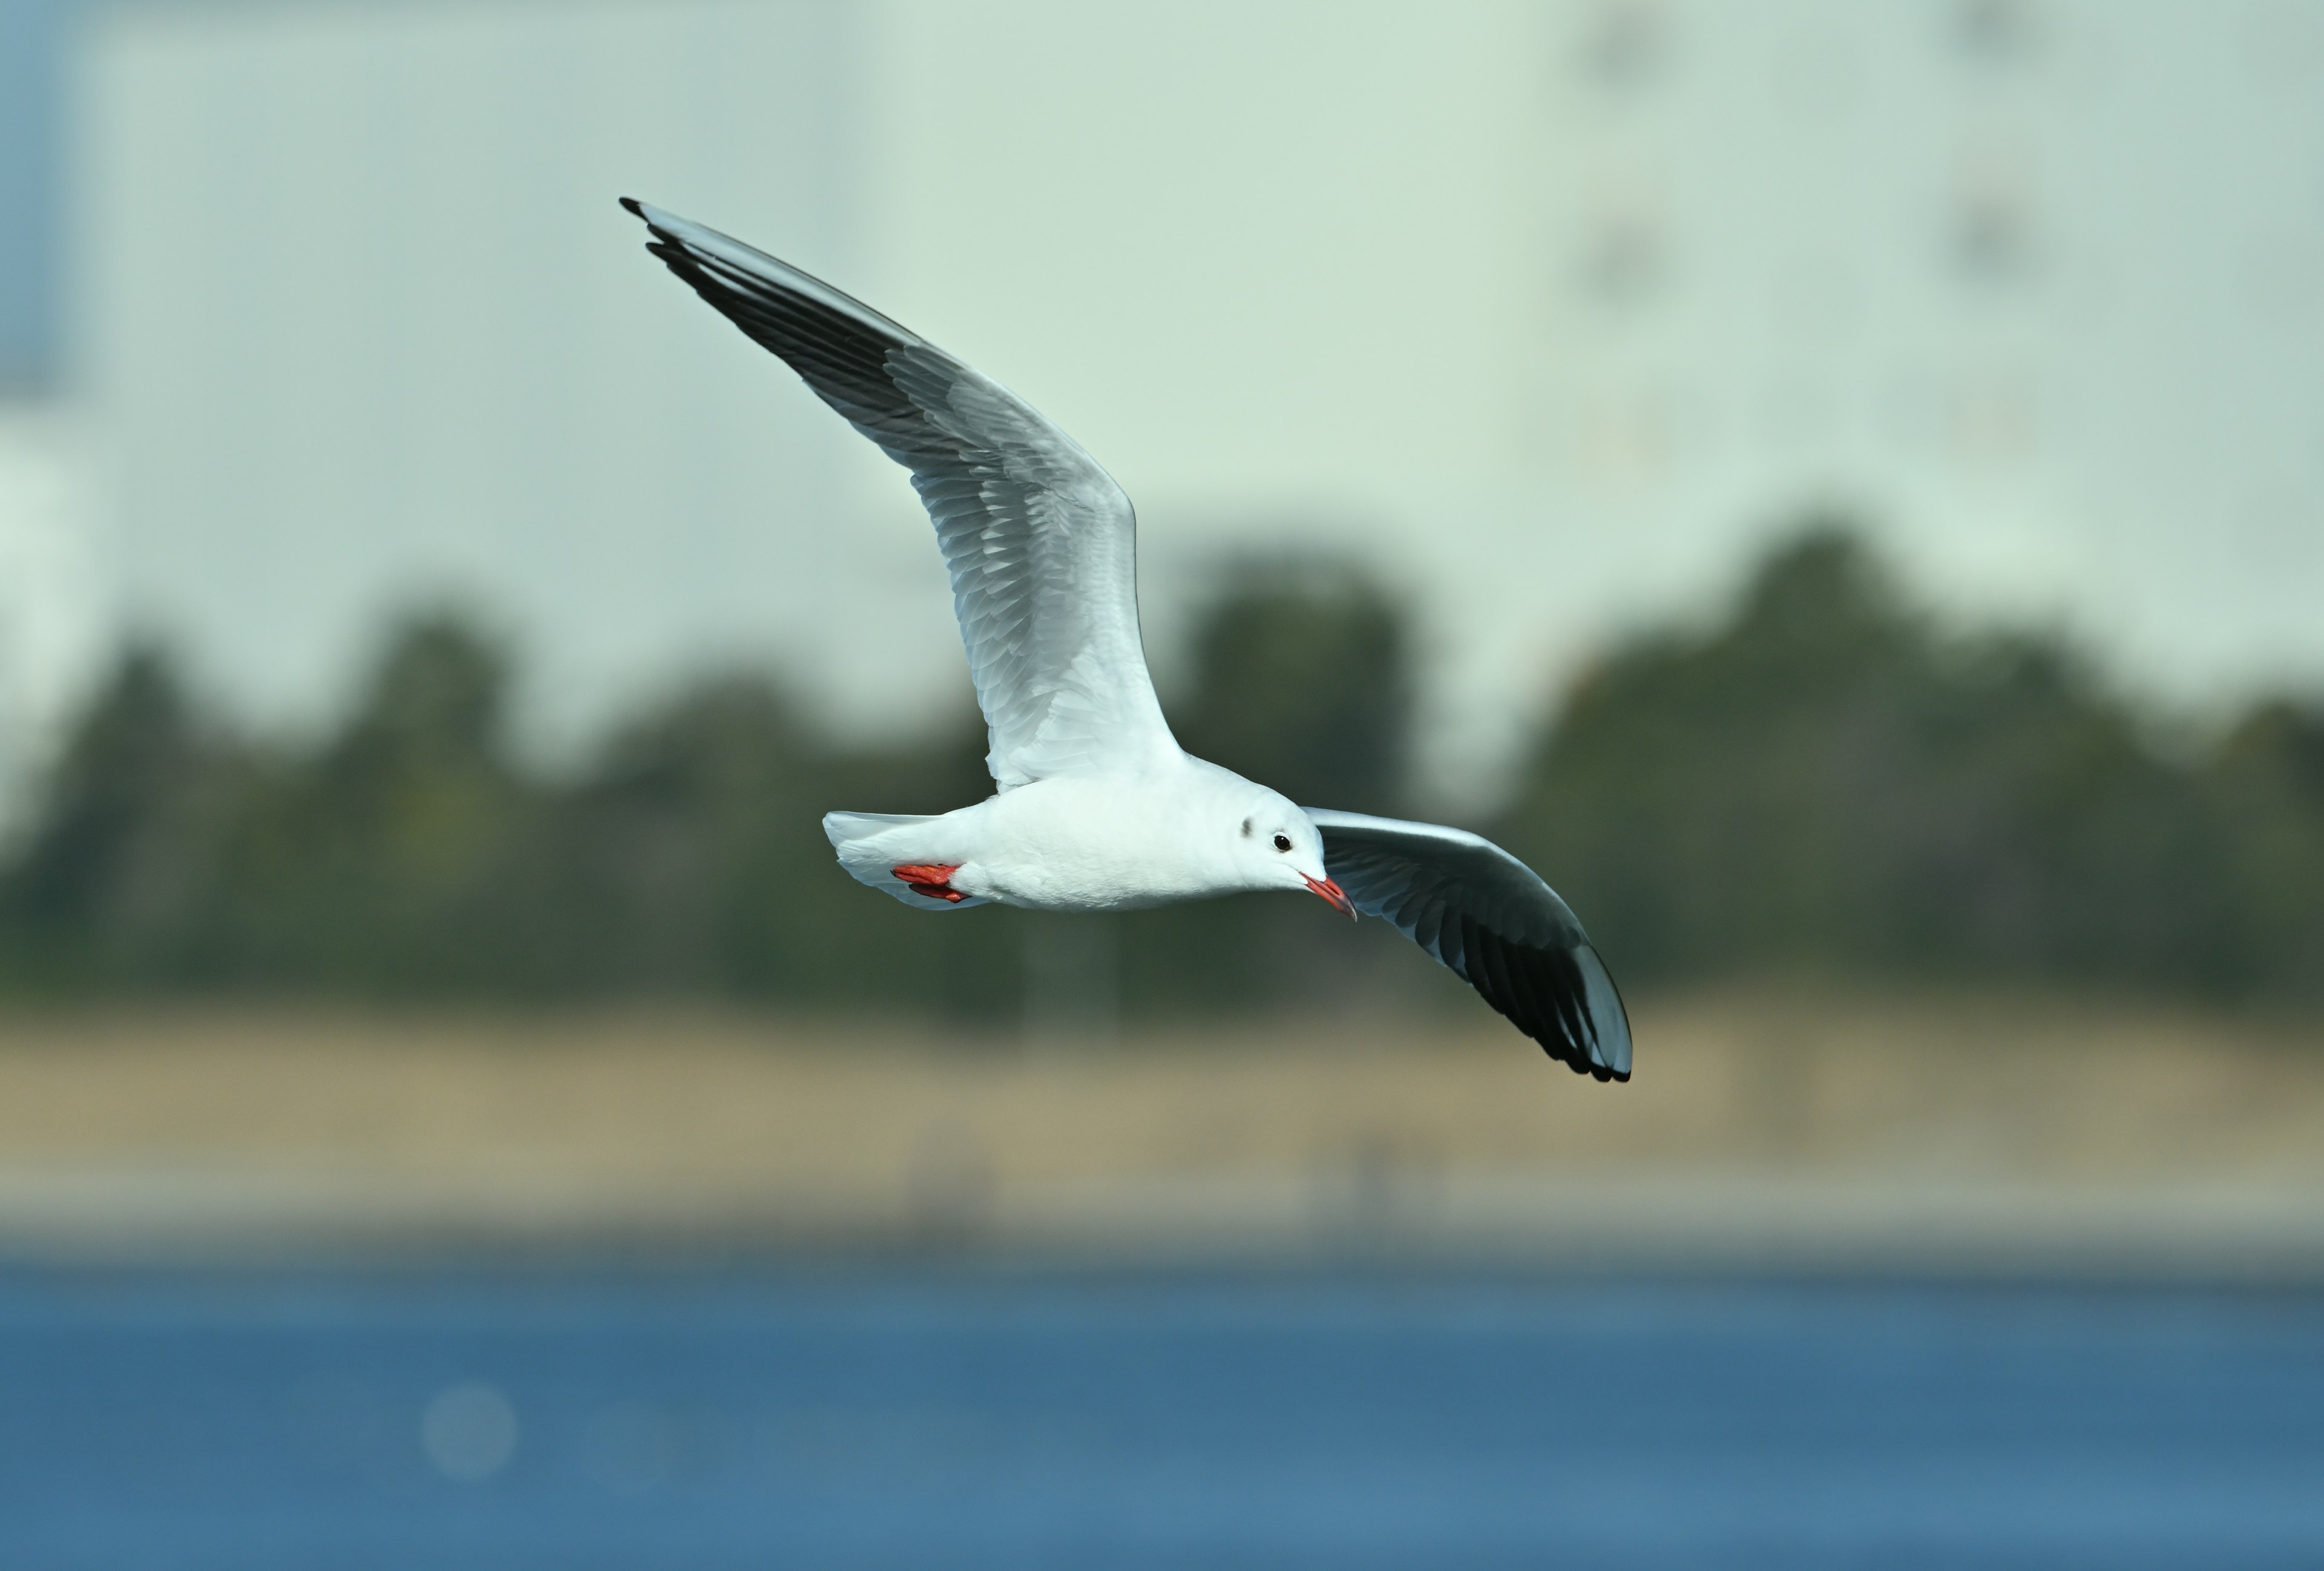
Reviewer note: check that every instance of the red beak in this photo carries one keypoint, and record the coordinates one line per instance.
(1335, 894)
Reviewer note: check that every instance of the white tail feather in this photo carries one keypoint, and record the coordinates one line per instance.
(871, 845)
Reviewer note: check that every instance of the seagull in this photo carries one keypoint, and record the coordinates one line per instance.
(1096, 807)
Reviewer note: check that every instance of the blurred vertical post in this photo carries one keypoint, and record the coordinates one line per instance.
(1072, 978)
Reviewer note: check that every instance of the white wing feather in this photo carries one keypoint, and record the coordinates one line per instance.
(1041, 542)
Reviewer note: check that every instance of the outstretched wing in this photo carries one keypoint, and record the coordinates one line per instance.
(1491, 920)
(1042, 543)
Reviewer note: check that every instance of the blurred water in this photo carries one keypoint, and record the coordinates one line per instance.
(940, 1417)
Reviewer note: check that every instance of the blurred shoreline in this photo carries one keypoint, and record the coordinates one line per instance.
(1779, 1131)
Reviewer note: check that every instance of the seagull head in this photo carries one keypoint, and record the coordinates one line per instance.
(1275, 845)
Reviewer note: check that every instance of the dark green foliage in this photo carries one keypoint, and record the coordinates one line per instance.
(385, 860)
(1301, 681)
(118, 871)
(666, 868)
(2268, 778)
(409, 855)
(1827, 784)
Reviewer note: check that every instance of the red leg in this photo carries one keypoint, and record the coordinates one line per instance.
(931, 879)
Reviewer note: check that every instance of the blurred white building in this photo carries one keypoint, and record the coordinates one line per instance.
(1554, 310)
(53, 621)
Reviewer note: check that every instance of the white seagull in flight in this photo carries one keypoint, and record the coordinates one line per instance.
(1097, 808)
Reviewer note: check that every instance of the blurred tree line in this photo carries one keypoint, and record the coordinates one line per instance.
(1824, 784)
(412, 854)
(1827, 784)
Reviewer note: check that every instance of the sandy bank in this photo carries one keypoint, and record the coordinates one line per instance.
(2001, 1134)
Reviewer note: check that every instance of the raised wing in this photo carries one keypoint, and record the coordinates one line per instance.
(1042, 543)
(1491, 920)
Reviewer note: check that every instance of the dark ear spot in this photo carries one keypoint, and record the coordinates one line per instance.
(1246, 829)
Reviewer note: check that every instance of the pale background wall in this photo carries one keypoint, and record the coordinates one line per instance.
(361, 321)
(1554, 311)
(53, 599)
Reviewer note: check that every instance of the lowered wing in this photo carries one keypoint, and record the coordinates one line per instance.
(1491, 920)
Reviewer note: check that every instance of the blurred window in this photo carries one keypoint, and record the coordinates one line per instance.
(1992, 240)
(1624, 45)
(1993, 228)
(1995, 32)
(1625, 260)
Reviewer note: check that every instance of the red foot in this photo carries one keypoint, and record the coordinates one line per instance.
(932, 880)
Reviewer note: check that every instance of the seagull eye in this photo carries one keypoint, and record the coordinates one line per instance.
(1283, 842)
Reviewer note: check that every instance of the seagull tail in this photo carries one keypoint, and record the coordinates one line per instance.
(871, 845)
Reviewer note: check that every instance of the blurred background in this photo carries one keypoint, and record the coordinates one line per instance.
(1837, 487)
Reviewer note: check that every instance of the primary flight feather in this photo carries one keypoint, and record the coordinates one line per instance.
(1097, 807)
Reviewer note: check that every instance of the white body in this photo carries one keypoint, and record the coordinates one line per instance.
(1173, 831)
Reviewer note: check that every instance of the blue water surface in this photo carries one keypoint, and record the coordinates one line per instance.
(932, 1416)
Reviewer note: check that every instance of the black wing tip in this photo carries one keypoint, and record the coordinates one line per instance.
(1584, 1064)
(1583, 1028)
(1580, 1060)
(663, 243)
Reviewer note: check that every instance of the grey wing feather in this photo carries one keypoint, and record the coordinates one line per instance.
(1493, 922)
(1041, 542)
